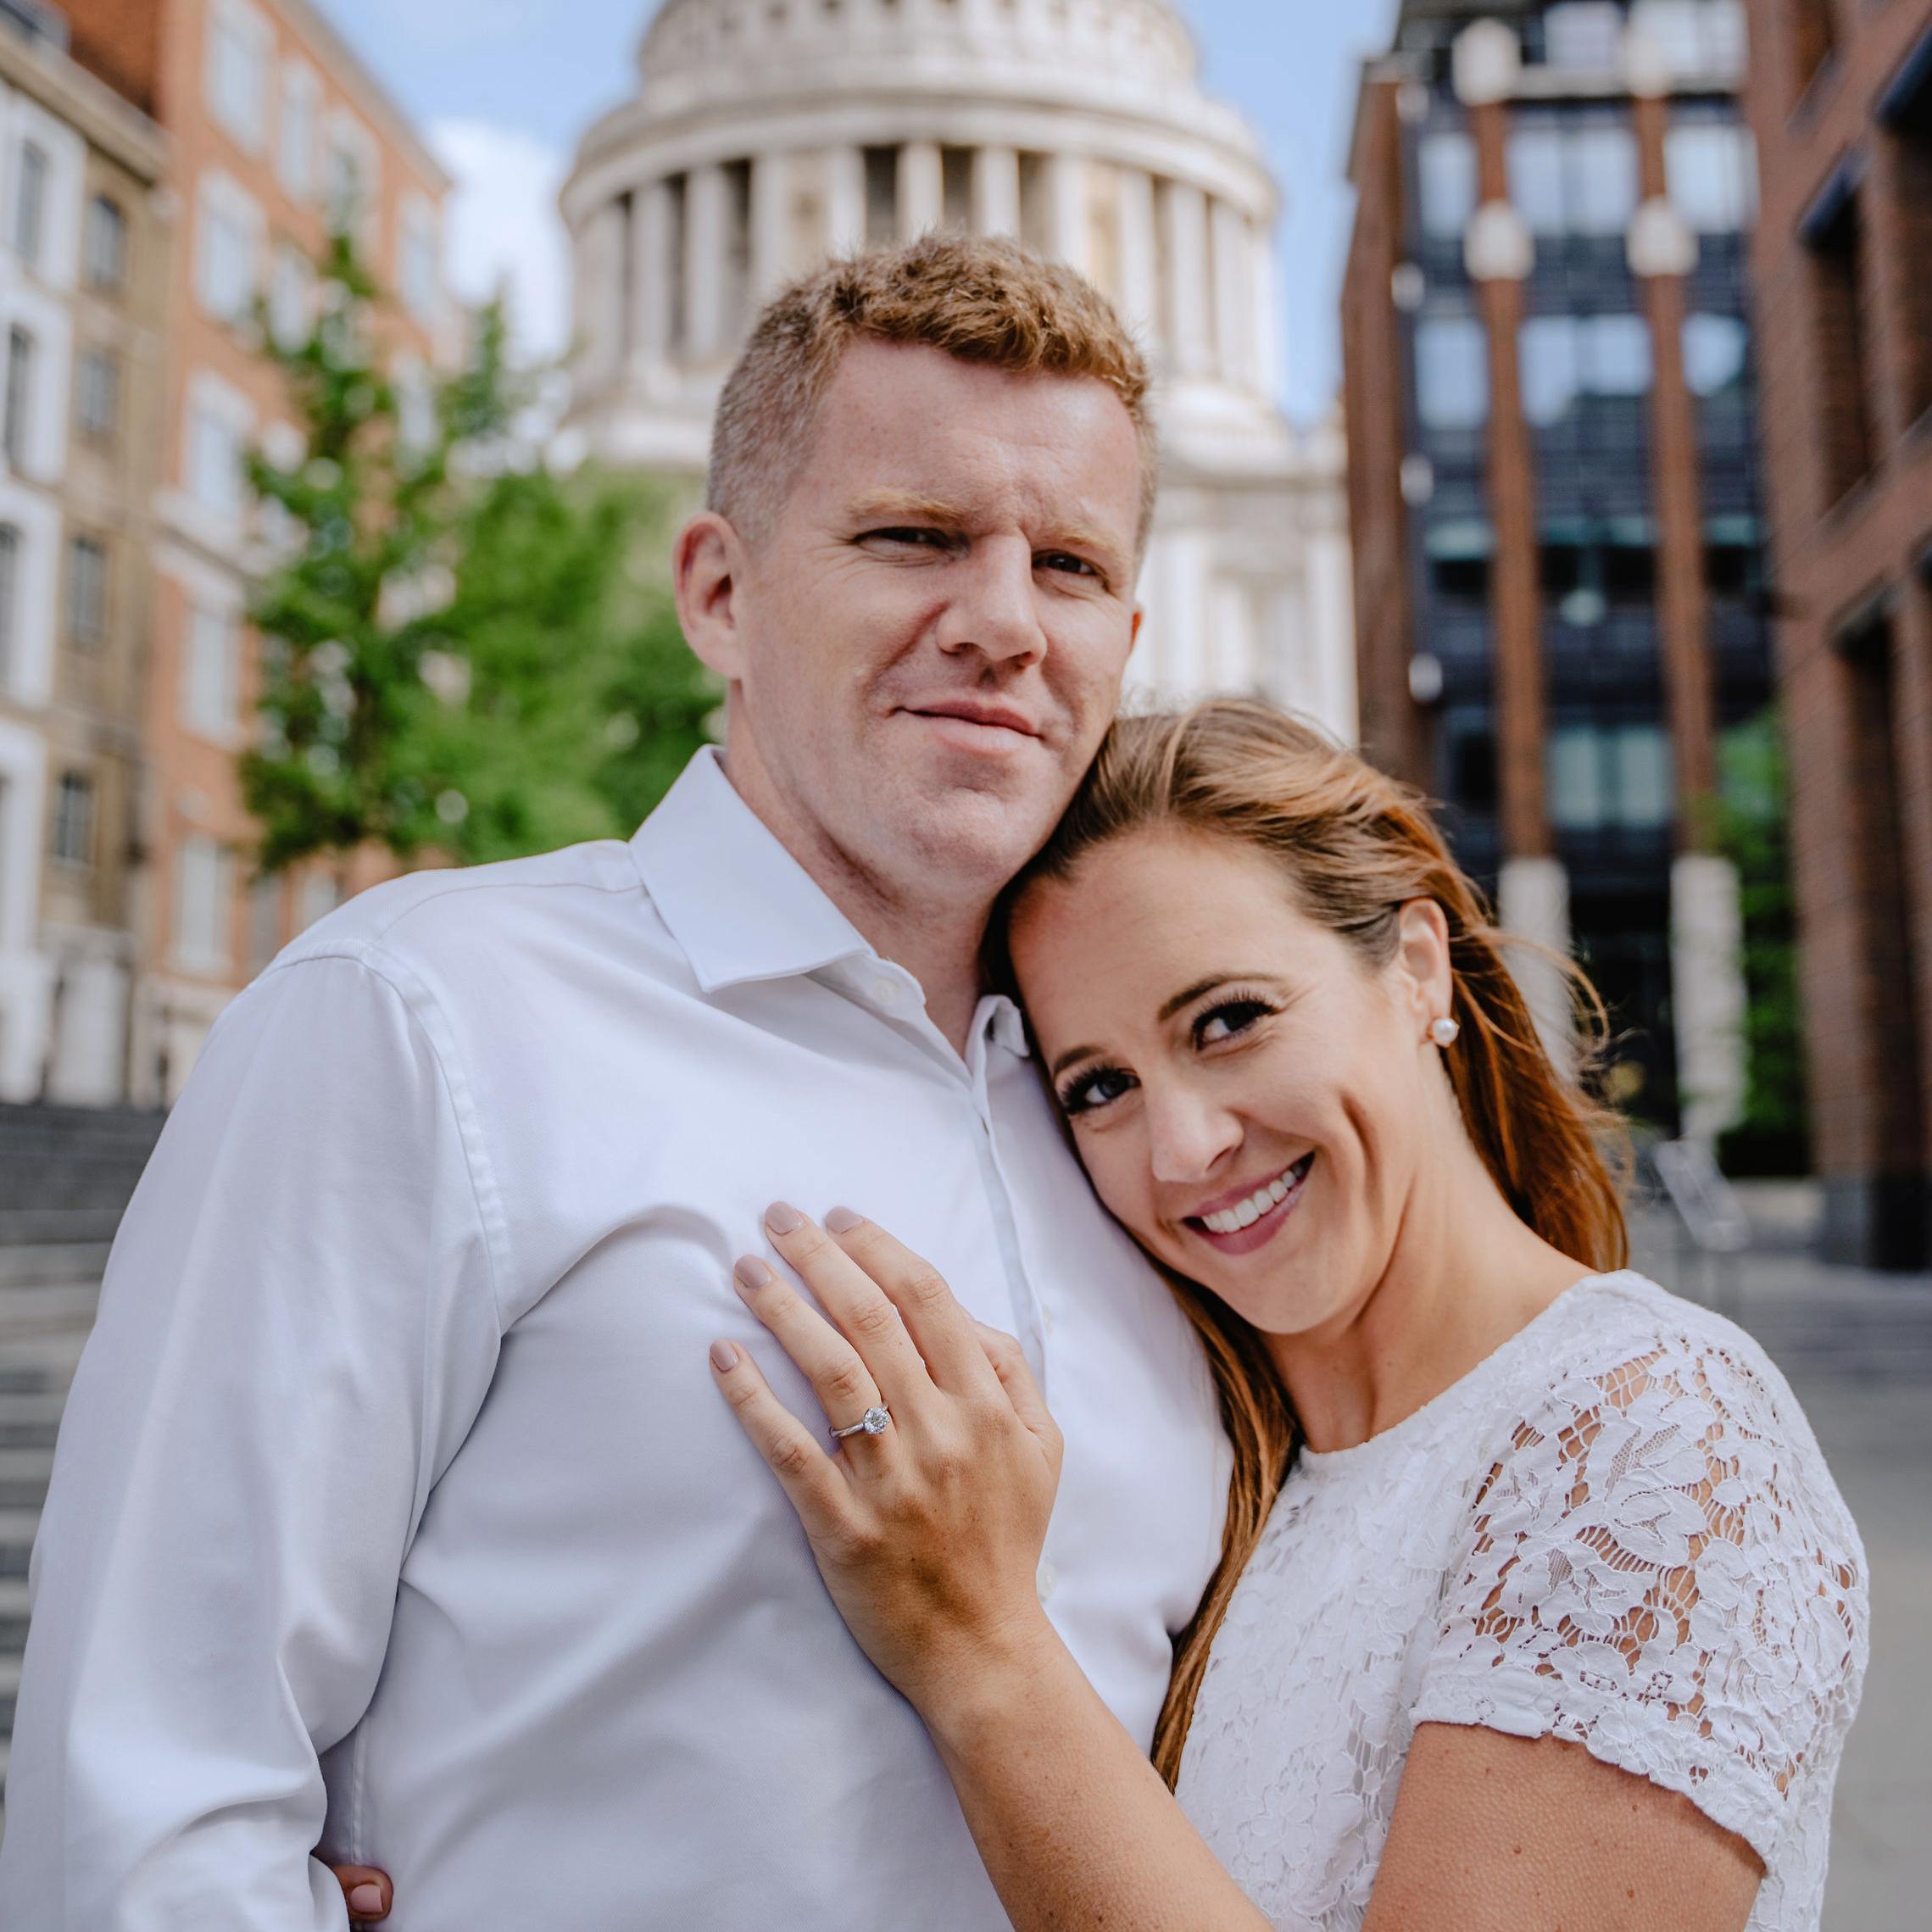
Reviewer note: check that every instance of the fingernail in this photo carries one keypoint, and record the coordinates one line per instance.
(365, 1898)
(751, 1274)
(781, 1217)
(842, 1221)
(724, 1357)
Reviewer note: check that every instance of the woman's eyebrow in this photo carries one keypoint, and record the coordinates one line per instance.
(1185, 997)
(1067, 1059)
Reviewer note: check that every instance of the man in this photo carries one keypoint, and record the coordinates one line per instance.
(396, 1514)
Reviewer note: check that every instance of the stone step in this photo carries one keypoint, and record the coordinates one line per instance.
(31, 1421)
(58, 1227)
(33, 1314)
(24, 1476)
(12, 1615)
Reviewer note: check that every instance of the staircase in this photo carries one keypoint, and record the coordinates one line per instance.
(65, 1177)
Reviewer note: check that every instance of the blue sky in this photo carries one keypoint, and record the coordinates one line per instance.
(505, 88)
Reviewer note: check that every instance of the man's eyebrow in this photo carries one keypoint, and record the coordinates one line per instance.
(903, 506)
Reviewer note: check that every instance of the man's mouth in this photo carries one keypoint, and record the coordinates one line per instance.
(1243, 1224)
(1002, 718)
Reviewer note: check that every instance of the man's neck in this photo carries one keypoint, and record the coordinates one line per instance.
(937, 939)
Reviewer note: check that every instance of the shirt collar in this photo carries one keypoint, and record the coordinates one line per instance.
(740, 905)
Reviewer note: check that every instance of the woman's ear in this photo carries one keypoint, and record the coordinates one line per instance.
(1421, 959)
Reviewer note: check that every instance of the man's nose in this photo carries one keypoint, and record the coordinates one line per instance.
(1189, 1134)
(996, 610)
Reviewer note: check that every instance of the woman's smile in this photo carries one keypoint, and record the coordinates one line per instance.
(1240, 1224)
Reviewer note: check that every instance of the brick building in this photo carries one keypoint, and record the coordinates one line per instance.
(274, 131)
(1554, 487)
(83, 281)
(1840, 97)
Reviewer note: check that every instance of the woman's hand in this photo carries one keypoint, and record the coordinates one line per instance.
(928, 1534)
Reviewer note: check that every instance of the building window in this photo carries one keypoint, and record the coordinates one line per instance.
(1573, 177)
(1833, 229)
(88, 592)
(13, 416)
(417, 270)
(211, 672)
(237, 70)
(228, 227)
(1445, 183)
(29, 204)
(1716, 354)
(204, 891)
(10, 599)
(265, 921)
(1711, 167)
(881, 195)
(214, 476)
(1610, 777)
(1584, 36)
(1459, 553)
(106, 245)
(1036, 210)
(1700, 38)
(955, 190)
(295, 143)
(292, 297)
(350, 176)
(97, 394)
(1905, 112)
(1452, 372)
(73, 821)
(1564, 358)
(318, 895)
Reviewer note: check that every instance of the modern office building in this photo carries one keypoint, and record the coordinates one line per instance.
(765, 137)
(83, 279)
(1840, 97)
(274, 131)
(1554, 487)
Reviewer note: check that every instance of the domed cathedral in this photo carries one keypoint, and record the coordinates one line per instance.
(768, 134)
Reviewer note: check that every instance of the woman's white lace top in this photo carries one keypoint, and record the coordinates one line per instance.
(1618, 1530)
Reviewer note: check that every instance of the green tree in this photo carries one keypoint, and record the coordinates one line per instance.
(465, 653)
(1752, 831)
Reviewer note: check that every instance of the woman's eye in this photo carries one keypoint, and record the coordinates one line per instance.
(1227, 1021)
(1088, 1091)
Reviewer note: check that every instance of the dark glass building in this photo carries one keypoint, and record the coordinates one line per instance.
(1555, 490)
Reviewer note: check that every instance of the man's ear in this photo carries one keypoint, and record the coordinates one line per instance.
(708, 575)
(1422, 958)
(1133, 636)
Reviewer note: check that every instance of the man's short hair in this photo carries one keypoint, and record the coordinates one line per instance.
(984, 300)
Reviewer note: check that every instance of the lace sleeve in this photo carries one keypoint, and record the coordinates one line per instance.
(1657, 1567)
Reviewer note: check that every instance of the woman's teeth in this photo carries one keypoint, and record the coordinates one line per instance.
(1246, 1213)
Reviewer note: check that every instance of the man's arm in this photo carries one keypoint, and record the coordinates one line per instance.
(299, 1323)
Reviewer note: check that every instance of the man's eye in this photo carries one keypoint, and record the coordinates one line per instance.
(928, 539)
(1064, 560)
(1226, 1021)
(1097, 1089)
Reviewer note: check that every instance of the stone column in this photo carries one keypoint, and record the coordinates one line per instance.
(1233, 300)
(1532, 889)
(844, 200)
(996, 192)
(1184, 223)
(1266, 349)
(1139, 253)
(707, 216)
(770, 188)
(1069, 238)
(922, 189)
(657, 278)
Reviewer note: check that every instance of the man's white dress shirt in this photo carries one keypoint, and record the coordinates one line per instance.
(395, 1507)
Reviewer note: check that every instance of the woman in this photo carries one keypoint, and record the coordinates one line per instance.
(1494, 1499)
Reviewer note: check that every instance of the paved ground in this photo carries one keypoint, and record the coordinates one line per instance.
(1857, 1347)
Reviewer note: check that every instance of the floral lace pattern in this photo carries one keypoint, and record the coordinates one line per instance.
(1617, 1530)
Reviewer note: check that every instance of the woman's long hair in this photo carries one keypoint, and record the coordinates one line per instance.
(1356, 846)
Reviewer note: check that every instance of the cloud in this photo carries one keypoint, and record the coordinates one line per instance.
(504, 230)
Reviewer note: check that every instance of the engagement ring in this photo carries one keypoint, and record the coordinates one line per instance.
(873, 1423)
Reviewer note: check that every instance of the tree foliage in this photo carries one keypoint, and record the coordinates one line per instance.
(463, 652)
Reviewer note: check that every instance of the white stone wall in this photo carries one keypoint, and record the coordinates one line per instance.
(756, 147)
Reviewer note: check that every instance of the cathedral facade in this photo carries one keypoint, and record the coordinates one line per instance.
(765, 135)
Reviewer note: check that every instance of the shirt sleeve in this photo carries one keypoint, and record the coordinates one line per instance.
(297, 1325)
(1657, 1567)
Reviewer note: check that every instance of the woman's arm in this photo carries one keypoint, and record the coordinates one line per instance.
(929, 1536)
(1497, 1833)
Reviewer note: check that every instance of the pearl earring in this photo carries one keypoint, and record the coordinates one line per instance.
(1444, 1032)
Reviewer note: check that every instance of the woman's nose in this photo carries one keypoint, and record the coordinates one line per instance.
(1189, 1135)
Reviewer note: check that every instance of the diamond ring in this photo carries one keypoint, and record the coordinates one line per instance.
(873, 1423)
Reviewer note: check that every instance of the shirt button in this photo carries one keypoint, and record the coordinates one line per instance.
(1046, 1320)
(1047, 1581)
(886, 992)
